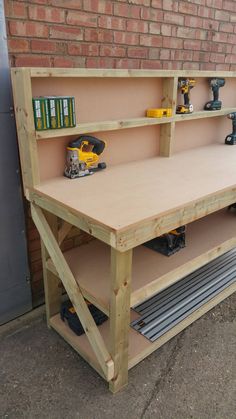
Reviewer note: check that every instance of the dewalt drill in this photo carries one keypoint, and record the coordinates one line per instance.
(231, 138)
(185, 85)
(215, 104)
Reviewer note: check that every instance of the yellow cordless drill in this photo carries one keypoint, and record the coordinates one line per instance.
(185, 85)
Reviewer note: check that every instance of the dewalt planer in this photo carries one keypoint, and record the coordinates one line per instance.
(185, 85)
(169, 243)
(83, 155)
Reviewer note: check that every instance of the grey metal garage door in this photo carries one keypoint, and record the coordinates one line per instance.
(15, 292)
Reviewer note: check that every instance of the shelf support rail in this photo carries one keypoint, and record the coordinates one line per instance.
(74, 293)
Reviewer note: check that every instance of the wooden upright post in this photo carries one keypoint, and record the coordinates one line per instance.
(121, 266)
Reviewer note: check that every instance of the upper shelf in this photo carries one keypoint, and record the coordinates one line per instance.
(90, 127)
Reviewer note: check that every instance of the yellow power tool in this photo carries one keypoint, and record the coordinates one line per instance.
(83, 155)
(185, 85)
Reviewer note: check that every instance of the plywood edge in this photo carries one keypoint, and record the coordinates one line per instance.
(175, 275)
(180, 327)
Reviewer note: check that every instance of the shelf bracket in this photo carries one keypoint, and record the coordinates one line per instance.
(74, 292)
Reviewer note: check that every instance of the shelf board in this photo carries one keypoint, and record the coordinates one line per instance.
(139, 346)
(206, 239)
(90, 127)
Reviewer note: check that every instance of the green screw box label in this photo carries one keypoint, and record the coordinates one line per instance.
(41, 113)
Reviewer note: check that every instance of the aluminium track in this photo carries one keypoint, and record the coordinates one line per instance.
(169, 307)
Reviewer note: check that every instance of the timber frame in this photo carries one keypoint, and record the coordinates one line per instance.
(114, 347)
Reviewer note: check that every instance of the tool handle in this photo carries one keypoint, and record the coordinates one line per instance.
(98, 145)
(186, 98)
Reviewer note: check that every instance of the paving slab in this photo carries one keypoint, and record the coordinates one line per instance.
(192, 376)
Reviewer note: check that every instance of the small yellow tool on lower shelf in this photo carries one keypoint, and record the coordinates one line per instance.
(159, 113)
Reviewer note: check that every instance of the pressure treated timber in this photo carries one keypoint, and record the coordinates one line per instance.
(206, 239)
(128, 204)
(139, 346)
(82, 72)
(90, 127)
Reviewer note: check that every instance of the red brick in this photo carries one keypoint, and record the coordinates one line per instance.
(152, 14)
(207, 66)
(166, 29)
(98, 6)
(201, 56)
(36, 266)
(141, 2)
(226, 27)
(112, 51)
(154, 53)
(201, 34)
(222, 67)
(170, 5)
(165, 54)
(127, 10)
(232, 39)
(34, 245)
(191, 66)
(193, 21)
(188, 8)
(136, 26)
(155, 28)
(151, 40)
(83, 49)
(18, 45)
(64, 32)
(210, 24)
(174, 18)
(205, 12)
(33, 61)
(111, 22)
(217, 4)
(229, 5)
(157, 4)
(135, 52)
(151, 64)
(126, 38)
(222, 15)
(231, 59)
(43, 46)
(15, 9)
(46, 14)
(173, 43)
(181, 55)
(29, 29)
(127, 63)
(217, 58)
(65, 4)
(220, 37)
(186, 32)
(98, 35)
(104, 62)
(172, 65)
(192, 44)
(81, 19)
(63, 62)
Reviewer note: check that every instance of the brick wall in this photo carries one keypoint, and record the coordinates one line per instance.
(198, 34)
(148, 34)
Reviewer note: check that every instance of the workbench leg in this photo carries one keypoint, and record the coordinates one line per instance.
(121, 266)
(52, 284)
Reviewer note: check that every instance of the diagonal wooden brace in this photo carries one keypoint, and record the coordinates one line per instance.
(63, 231)
(74, 293)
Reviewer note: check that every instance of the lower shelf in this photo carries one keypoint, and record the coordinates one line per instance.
(206, 239)
(139, 346)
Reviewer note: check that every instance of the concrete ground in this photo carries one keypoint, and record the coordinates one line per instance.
(192, 376)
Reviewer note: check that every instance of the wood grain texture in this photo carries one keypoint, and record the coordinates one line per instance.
(74, 293)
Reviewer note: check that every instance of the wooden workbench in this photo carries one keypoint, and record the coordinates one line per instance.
(141, 195)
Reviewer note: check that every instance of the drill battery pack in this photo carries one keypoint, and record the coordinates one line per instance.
(69, 315)
(168, 243)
